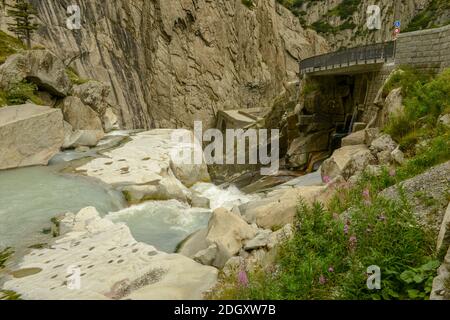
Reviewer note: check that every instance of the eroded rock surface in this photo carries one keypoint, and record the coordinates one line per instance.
(172, 62)
(111, 265)
(145, 170)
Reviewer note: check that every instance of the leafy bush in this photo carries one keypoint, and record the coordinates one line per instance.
(323, 27)
(4, 255)
(22, 92)
(332, 248)
(428, 17)
(8, 46)
(425, 98)
(74, 77)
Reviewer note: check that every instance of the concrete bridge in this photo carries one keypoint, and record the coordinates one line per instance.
(363, 70)
(355, 60)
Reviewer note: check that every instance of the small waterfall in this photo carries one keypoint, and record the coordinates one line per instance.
(221, 197)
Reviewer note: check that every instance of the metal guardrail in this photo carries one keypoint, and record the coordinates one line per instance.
(355, 56)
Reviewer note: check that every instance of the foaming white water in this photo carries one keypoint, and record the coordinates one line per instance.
(163, 224)
(220, 197)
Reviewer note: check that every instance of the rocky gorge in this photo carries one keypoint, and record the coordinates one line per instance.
(94, 202)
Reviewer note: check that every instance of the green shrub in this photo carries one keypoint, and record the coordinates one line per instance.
(9, 295)
(74, 77)
(332, 248)
(428, 18)
(322, 27)
(425, 98)
(22, 92)
(8, 46)
(4, 255)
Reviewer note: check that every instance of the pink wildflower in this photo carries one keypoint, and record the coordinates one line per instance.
(242, 278)
(353, 242)
(326, 179)
(322, 280)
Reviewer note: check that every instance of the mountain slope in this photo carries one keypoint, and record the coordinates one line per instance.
(173, 62)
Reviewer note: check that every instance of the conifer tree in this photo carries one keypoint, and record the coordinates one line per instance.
(24, 15)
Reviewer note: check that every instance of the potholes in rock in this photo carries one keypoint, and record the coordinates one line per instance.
(26, 272)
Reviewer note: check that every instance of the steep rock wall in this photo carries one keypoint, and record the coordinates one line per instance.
(343, 22)
(172, 62)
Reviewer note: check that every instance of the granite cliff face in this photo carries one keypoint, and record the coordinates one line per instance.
(343, 22)
(172, 62)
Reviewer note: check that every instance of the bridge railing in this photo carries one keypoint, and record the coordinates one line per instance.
(374, 53)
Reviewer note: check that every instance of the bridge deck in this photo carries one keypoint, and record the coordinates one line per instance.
(354, 60)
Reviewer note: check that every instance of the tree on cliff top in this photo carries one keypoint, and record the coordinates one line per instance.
(23, 26)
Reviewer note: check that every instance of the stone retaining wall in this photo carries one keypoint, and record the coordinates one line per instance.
(426, 49)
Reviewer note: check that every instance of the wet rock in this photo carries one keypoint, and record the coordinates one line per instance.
(111, 265)
(84, 121)
(143, 167)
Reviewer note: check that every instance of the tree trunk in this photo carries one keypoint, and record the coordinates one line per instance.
(28, 36)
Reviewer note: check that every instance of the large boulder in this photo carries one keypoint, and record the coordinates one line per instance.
(83, 120)
(145, 169)
(39, 66)
(300, 148)
(111, 264)
(383, 143)
(427, 194)
(444, 233)
(440, 289)
(110, 120)
(94, 94)
(393, 105)
(29, 135)
(347, 161)
(354, 139)
(227, 231)
(279, 207)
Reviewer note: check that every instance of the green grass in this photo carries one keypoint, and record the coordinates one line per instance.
(425, 98)
(426, 19)
(23, 92)
(345, 9)
(323, 261)
(8, 46)
(333, 246)
(9, 295)
(4, 255)
(74, 77)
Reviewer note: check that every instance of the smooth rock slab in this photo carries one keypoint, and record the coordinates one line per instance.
(145, 169)
(111, 264)
(29, 135)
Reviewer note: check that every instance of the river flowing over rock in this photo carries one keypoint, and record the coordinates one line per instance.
(40, 137)
(172, 62)
(144, 168)
(112, 265)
